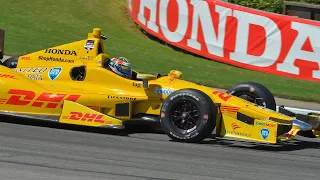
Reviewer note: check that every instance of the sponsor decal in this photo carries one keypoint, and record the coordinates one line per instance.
(61, 51)
(86, 58)
(9, 76)
(163, 91)
(265, 124)
(45, 100)
(264, 133)
(238, 133)
(31, 70)
(54, 73)
(27, 58)
(122, 98)
(240, 36)
(235, 126)
(145, 84)
(89, 45)
(223, 96)
(53, 59)
(138, 85)
(32, 73)
(229, 109)
(36, 77)
(88, 117)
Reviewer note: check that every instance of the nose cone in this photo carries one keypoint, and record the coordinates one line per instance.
(302, 125)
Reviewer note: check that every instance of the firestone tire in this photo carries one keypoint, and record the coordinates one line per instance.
(188, 115)
(255, 93)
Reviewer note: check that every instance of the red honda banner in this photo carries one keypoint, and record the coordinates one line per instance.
(236, 35)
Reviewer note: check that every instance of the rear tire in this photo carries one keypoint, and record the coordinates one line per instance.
(188, 115)
(255, 93)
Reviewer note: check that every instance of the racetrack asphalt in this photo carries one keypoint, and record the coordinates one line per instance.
(63, 152)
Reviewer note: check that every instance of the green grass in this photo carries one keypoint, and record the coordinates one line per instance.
(33, 25)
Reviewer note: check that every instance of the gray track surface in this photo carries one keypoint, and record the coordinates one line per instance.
(29, 152)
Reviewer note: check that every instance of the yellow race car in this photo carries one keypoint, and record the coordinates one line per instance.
(260, 95)
(71, 84)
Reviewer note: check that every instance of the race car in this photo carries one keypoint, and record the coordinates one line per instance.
(260, 95)
(71, 84)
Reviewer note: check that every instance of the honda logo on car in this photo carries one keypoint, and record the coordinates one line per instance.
(60, 51)
(235, 35)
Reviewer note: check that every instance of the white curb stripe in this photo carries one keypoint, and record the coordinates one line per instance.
(300, 111)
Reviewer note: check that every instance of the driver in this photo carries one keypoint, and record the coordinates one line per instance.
(120, 66)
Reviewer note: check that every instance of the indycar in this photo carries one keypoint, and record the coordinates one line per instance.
(260, 95)
(70, 84)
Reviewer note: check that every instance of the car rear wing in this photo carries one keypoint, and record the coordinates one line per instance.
(1, 43)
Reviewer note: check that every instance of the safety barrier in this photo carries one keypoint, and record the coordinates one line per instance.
(302, 10)
(236, 35)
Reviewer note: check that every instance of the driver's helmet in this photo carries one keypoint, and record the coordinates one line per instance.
(120, 66)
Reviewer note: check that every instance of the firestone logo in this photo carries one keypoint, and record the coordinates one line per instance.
(61, 51)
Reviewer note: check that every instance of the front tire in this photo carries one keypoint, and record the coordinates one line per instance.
(255, 93)
(188, 115)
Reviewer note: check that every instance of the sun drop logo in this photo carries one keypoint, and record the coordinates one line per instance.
(163, 91)
(54, 73)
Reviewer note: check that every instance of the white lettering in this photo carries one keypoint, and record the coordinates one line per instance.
(214, 41)
(273, 40)
(152, 6)
(180, 32)
(129, 4)
(305, 31)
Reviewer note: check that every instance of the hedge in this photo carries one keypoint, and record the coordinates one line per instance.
(268, 5)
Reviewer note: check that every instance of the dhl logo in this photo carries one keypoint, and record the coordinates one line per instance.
(78, 116)
(229, 109)
(9, 76)
(235, 126)
(47, 100)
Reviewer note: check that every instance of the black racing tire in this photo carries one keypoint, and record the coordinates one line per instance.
(255, 93)
(188, 115)
(12, 62)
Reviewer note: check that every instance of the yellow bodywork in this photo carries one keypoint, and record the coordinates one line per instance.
(316, 131)
(42, 85)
